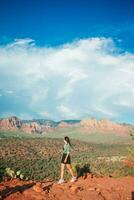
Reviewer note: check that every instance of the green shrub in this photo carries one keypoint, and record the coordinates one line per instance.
(11, 174)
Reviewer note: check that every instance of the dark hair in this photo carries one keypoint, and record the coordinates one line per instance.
(67, 140)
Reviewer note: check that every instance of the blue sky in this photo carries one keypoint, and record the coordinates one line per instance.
(67, 59)
(54, 22)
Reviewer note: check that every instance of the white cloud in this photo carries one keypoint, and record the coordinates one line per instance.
(24, 116)
(66, 112)
(21, 43)
(85, 77)
(74, 77)
(45, 115)
(103, 110)
(9, 91)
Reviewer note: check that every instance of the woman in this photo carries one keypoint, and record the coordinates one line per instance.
(66, 160)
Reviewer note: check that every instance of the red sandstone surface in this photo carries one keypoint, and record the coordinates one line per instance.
(91, 188)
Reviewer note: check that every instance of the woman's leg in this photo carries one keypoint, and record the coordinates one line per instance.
(62, 170)
(69, 167)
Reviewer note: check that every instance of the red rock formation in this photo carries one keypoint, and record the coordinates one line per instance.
(104, 126)
(87, 125)
(30, 128)
(12, 123)
(63, 125)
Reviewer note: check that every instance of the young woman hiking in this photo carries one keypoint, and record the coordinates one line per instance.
(66, 161)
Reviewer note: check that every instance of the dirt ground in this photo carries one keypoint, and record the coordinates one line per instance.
(89, 188)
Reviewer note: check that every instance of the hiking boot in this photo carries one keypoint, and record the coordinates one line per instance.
(74, 178)
(61, 181)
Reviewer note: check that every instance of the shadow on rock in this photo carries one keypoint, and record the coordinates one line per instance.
(10, 190)
(132, 195)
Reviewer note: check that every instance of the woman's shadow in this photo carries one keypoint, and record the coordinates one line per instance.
(10, 190)
(82, 171)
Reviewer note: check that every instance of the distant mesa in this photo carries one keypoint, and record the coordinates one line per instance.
(63, 124)
(44, 126)
(10, 123)
(14, 123)
(30, 128)
(68, 123)
(105, 126)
